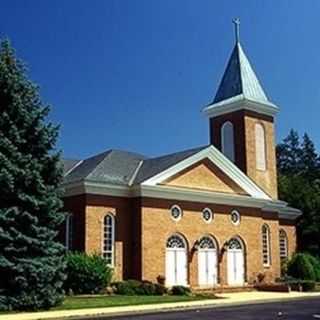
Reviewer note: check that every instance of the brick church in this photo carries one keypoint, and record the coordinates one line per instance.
(204, 217)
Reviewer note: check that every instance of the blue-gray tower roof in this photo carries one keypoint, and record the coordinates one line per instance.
(240, 79)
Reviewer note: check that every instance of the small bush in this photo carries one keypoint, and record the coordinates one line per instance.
(160, 289)
(180, 291)
(86, 273)
(308, 285)
(134, 287)
(300, 267)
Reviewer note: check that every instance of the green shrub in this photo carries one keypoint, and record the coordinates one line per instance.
(160, 289)
(180, 291)
(315, 264)
(86, 273)
(134, 287)
(148, 288)
(300, 267)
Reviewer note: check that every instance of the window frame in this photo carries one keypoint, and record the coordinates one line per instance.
(103, 238)
(236, 223)
(175, 206)
(266, 251)
(283, 235)
(211, 215)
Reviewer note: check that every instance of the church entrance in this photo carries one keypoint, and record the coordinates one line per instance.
(176, 261)
(236, 263)
(207, 262)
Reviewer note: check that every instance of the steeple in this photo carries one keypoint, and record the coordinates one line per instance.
(241, 119)
(240, 84)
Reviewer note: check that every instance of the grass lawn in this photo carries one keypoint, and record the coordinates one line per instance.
(81, 302)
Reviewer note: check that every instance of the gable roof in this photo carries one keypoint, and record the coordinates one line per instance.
(151, 167)
(115, 167)
(217, 158)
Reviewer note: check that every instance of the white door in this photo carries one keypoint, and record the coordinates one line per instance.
(235, 259)
(176, 262)
(207, 263)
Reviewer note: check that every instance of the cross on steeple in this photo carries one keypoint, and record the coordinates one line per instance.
(236, 23)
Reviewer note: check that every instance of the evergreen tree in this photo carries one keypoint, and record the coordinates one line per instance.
(309, 159)
(31, 261)
(299, 185)
(289, 154)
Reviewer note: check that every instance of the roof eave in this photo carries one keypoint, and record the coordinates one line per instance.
(240, 102)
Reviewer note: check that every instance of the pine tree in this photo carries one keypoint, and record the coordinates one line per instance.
(309, 159)
(31, 260)
(289, 154)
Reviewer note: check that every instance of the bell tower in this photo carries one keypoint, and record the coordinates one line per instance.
(241, 120)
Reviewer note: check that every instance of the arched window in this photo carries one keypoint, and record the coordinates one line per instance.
(69, 231)
(108, 239)
(283, 245)
(227, 140)
(206, 243)
(175, 241)
(260, 139)
(266, 254)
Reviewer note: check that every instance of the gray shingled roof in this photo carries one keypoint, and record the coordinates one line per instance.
(240, 79)
(120, 167)
(153, 166)
(112, 166)
(68, 164)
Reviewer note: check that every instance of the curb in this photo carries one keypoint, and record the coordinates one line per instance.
(185, 308)
(89, 314)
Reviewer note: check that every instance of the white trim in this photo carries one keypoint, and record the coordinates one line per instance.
(178, 193)
(135, 172)
(240, 102)
(72, 168)
(82, 187)
(222, 162)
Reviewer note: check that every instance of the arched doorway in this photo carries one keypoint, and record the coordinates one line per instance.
(207, 262)
(236, 263)
(176, 261)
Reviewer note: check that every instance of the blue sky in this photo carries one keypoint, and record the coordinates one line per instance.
(135, 75)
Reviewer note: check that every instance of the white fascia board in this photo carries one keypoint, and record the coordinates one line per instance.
(176, 193)
(223, 163)
(87, 187)
(239, 103)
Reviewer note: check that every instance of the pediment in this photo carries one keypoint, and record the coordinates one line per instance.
(204, 175)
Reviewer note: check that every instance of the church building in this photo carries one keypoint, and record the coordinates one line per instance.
(204, 217)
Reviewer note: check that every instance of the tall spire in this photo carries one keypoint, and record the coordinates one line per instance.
(239, 76)
(240, 83)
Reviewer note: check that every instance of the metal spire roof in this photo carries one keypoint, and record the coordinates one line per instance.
(240, 79)
(239, 88)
